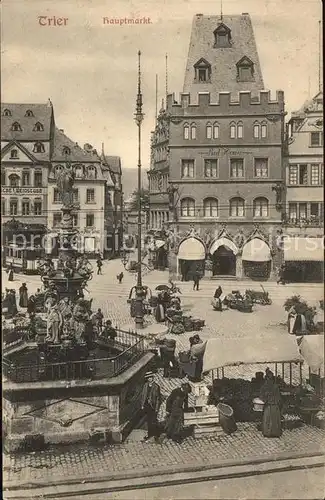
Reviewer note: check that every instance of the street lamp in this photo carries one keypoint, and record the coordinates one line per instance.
(140, 293)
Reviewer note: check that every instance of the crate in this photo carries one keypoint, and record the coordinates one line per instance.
(205, 423)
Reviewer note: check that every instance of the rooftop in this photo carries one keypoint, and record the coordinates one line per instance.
(26, 116)
(223, 61)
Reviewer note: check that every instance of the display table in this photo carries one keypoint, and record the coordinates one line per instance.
(204, 418)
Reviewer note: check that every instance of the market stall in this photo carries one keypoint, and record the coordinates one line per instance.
(280, 353)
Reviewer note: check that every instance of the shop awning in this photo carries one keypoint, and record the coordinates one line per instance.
(303, 249)
(312, 350)
(191, 249)
(223, 242)
(256, 250)
(221, 352)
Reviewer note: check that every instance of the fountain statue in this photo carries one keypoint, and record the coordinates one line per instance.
(67, 311)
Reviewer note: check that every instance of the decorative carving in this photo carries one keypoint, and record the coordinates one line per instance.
(279, 189)
(273, 118)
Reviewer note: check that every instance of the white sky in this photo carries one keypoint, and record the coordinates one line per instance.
(89, 70)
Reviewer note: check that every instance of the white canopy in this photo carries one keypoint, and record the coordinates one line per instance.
(256, 250)
(312, 350)
(303, 249)
(223, 242)
(221, 352)
(191, 249)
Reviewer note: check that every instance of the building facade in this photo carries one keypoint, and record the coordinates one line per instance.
(303, 222)
(220, 146)
(26, 148)
(33, 152)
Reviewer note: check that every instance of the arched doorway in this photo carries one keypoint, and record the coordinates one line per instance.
(257, 259)
(191, 258)
(223, 254)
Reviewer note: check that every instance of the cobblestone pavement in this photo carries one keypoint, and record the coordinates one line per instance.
(246, 443)
(134, 455)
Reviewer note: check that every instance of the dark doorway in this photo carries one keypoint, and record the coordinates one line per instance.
(224, 262)
(304, 272)
(187, 268)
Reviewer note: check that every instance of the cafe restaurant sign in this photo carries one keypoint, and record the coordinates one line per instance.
(223, 152)
(21, 190)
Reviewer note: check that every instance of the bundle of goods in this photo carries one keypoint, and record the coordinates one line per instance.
(153, 301)
(188, 323)
(259, 296)
(198, 324)
(177, 328)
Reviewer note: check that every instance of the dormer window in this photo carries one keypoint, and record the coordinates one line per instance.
(245, 70)
(222, 37)
(202, 71)
(38, 127)
(29, 113)
(6, 112)
(38, 148)
(16, 127)
(66, 150)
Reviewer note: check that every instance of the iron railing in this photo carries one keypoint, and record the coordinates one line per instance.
(133, 347)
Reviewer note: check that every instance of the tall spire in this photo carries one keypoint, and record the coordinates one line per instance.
(221, 14)
(138, 112)
(320, 86)
(166, 77)
(156, 98)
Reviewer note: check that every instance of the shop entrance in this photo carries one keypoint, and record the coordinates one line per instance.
(304, 272)
(223, 262)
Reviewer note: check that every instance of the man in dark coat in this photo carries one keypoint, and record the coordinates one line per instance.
(176, 404)
(150, 403)
(99, 265)
(270, 394)
(196, 280)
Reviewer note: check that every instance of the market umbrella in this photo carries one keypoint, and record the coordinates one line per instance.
(162, 287)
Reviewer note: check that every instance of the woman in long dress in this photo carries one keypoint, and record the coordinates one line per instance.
(10, 272)
(176, 404)
(23, 295)
(271, 418)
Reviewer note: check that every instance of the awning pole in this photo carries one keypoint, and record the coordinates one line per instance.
(300, 372)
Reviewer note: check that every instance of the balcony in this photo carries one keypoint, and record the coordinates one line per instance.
(312, 221)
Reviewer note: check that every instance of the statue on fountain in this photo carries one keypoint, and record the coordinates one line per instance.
(80, 318)
(65, 181)
(54, 325)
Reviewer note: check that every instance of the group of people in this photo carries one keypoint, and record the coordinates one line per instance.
(176, 405)
(104, 329)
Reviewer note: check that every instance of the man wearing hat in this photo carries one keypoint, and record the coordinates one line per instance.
(150, 403)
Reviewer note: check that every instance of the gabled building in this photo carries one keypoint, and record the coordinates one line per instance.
(303, 222)
(115, 168)
(26, 147)
(218, 148)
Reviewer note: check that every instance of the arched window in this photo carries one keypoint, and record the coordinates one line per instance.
(209, 131)
(261, 207)
(66, 150)
(25, 206)
(240, 130)
(6, 112)
(91, 172)
(57, 170)
(210, 206)
(16, 127)
(263, 130)
(13, 180)
(38, 127)
(186, 131)
(256, 131)
(237, 207)
(187, 207)
(215, 131)
(38, 148)
(14, 154)
(193, 131)
(25, 178)
(29, 113)
(79, 171)
(232, 131)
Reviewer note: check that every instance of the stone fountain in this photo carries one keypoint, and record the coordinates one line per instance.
(66, 384)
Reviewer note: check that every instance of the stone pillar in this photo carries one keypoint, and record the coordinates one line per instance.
(239, 266)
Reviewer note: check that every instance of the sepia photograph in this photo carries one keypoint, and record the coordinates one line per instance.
(162, 250)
